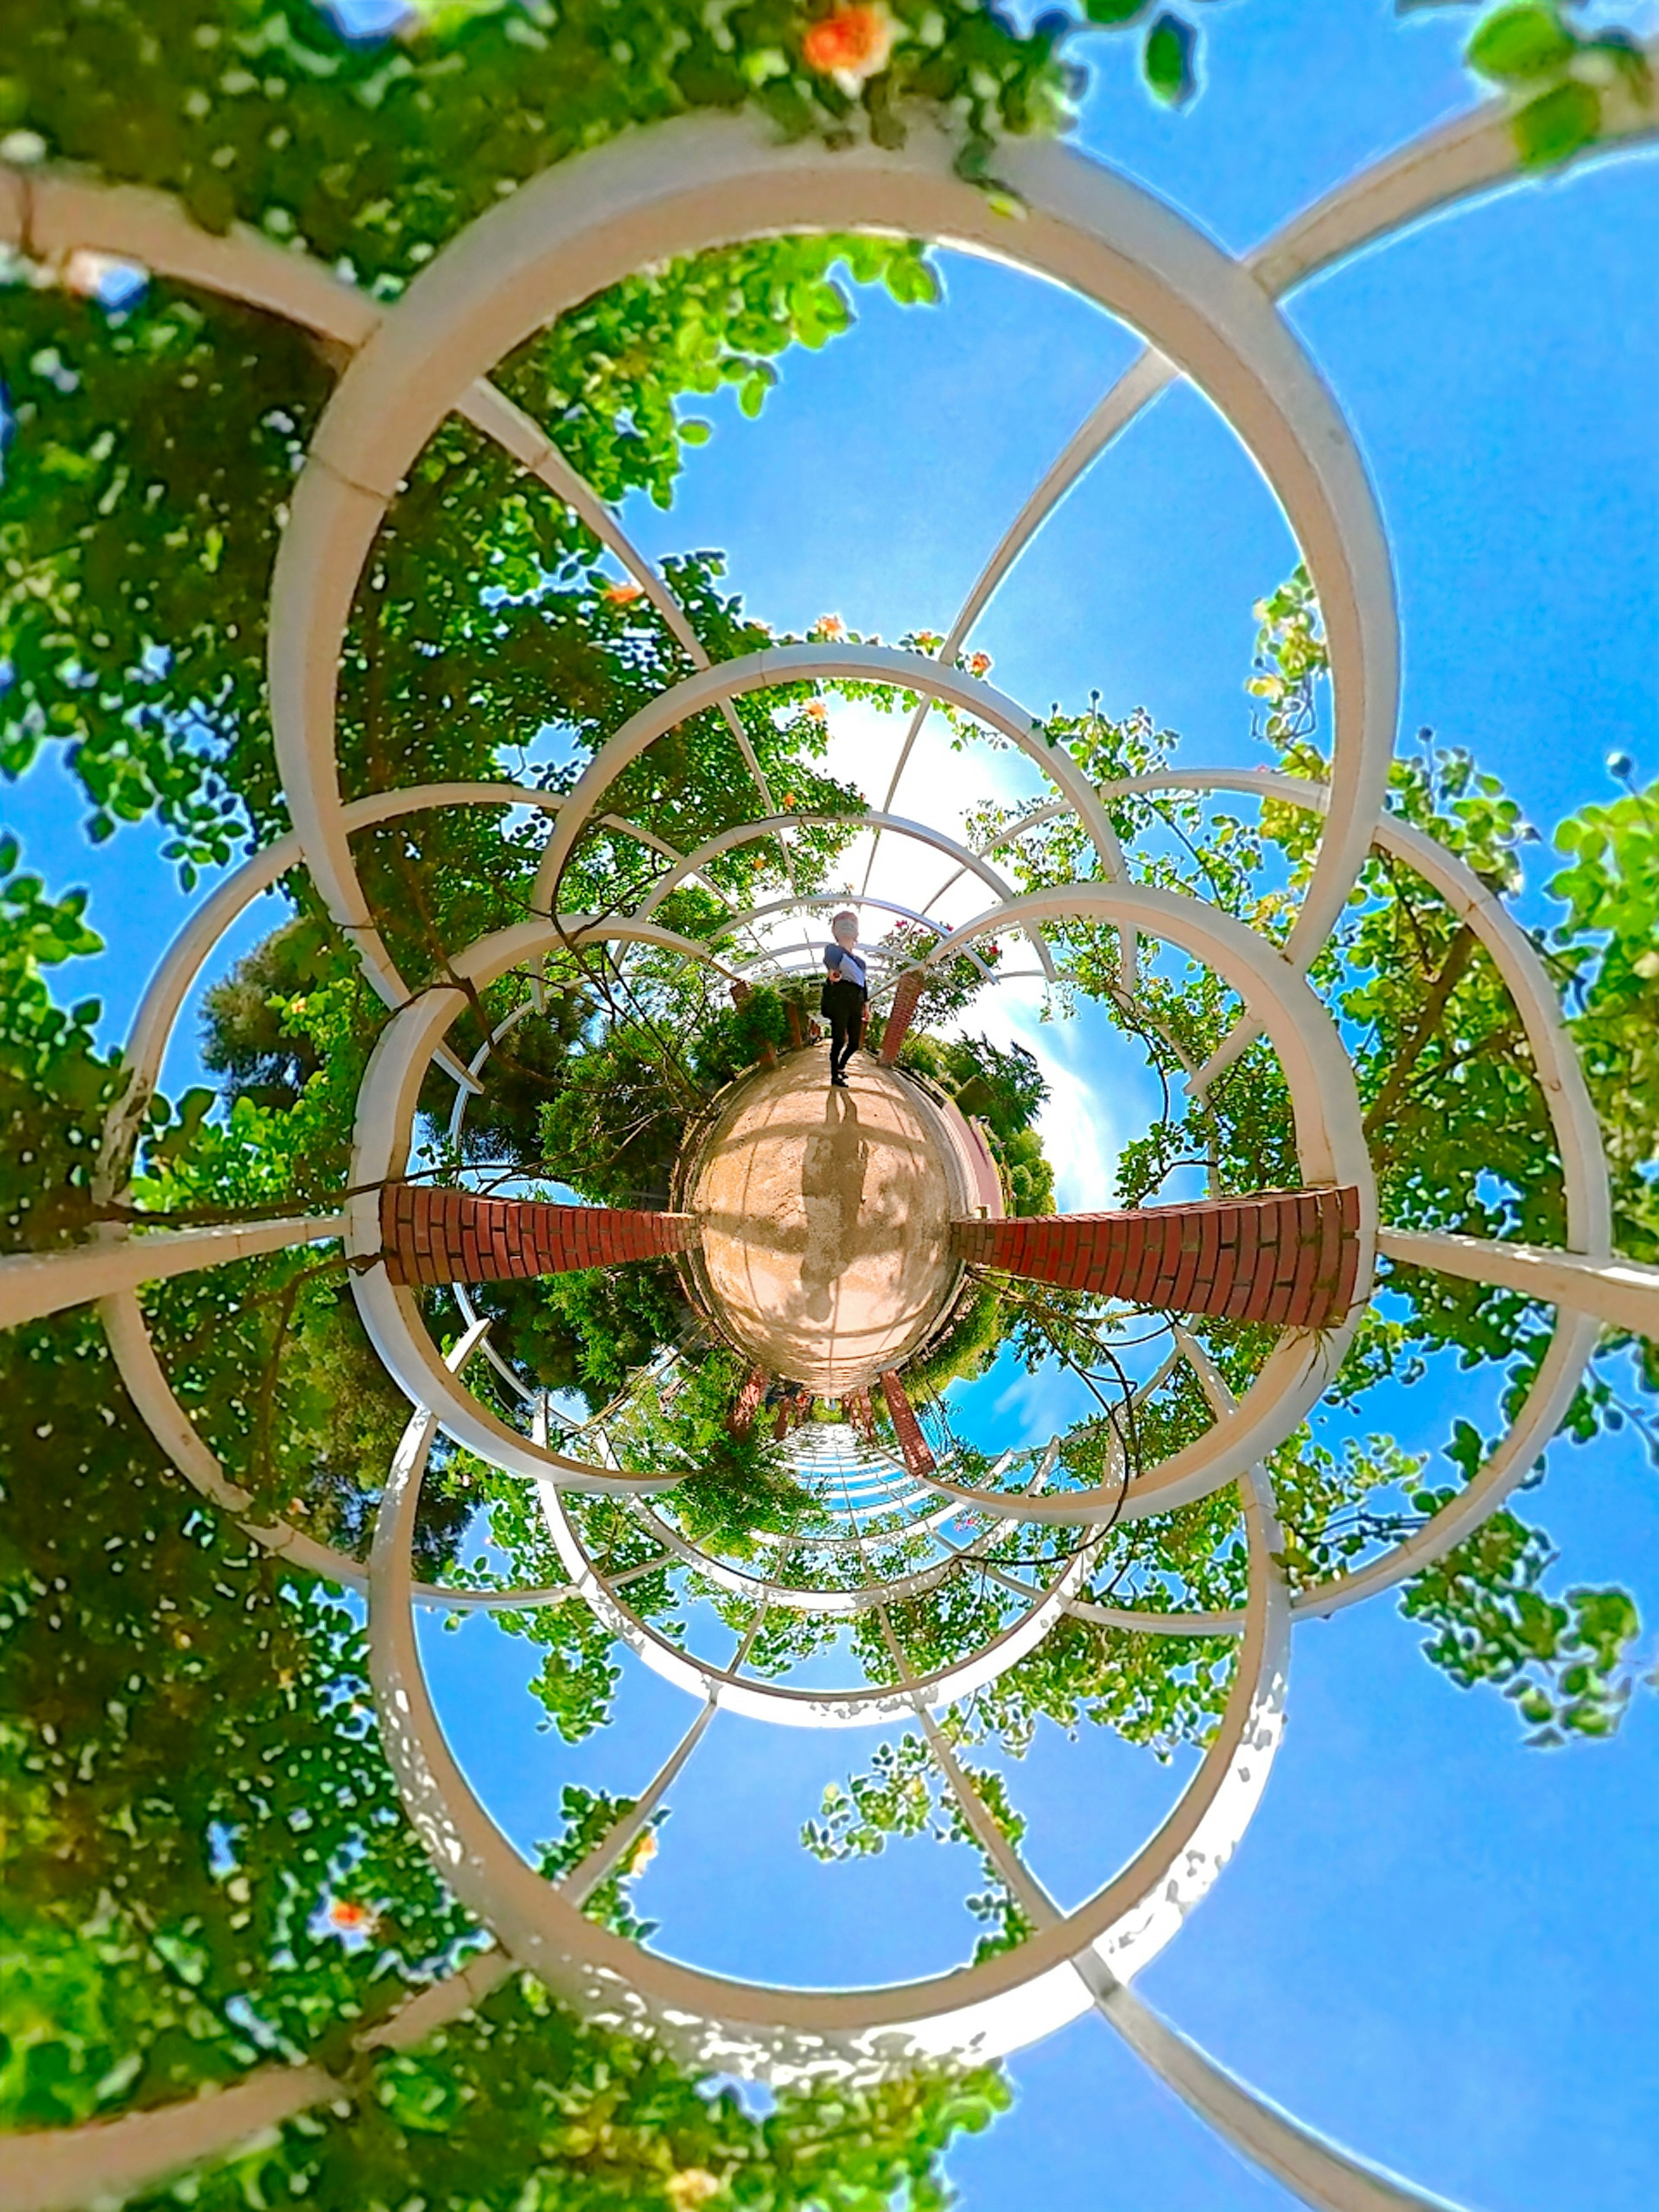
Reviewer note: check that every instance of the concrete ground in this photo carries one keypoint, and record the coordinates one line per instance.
(826, 1217)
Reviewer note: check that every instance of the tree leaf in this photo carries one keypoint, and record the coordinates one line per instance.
(1166, 62)
(1558, 125)
(1519, 42)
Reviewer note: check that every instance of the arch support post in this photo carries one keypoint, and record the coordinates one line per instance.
(906, 1427)
(747, 1403)
(793, 1408)
(911, 985)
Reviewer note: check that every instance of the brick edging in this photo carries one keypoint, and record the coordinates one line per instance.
(1289, 1259)
(437, 1236)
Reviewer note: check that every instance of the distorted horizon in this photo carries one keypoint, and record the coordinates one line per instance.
(1425, 1944)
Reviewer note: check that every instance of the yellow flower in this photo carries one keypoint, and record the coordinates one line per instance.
(691, 2186)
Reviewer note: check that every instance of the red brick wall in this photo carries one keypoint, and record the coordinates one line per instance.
(910, 985)
(906, 1427)
(450, 1236)
(1290, 1258)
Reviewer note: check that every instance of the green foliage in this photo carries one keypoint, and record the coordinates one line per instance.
(206, 1865)
(1004, 1091)
(169, 1685)
(374, 153)
(1610, 936)
(520, 2106)
(904, 1793)
(152, 455)
(576, 1679)
(55, 1084)
(522, 1074)
(591, 1330)
(1456, 1117)
(1556, 76)
(1566, 1662)
(731, 1041)
(1516, 44)
(966, 1349)
(615, 1125)
(589, 1817)
(733, 1488)
(1169, 60)
(249, 1038)
(613, 1132)
(206, 1861)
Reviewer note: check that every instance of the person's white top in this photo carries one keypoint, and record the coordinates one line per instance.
(845, 965)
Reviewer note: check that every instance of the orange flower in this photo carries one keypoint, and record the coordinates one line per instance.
(351, 1919)
(621, 595)
(832, 626)
(816, 711)
(851, 44)
(979, 664)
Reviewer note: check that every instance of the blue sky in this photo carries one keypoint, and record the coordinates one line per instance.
(1434, 1943)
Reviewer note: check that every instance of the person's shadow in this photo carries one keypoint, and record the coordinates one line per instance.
(833, 1169)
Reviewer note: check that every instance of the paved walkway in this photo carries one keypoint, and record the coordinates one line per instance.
(826, 1219)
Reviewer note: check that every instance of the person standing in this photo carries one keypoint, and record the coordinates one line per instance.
(846, 995)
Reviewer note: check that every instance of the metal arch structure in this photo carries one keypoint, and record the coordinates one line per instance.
(677, 189)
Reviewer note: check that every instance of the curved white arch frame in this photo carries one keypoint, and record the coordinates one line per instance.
(95, 202)
(1589, 1207)
(760, 1700)
(121, 1313)
(1330, 1149)
(1594, 1288)
(1470, 155)
(786, 2034)
(899, 825)
(704, 181)
(386, 1113)
(801, 664)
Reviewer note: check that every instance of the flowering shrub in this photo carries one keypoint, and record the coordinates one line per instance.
(851, 46)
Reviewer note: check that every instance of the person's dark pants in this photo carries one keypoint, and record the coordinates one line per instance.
(846, 1008)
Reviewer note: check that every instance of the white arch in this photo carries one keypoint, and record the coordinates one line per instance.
(1330, 1148)
(786, 2034)
(706, 181)
(1471, 153)
(386, 1113)
(971, 862)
